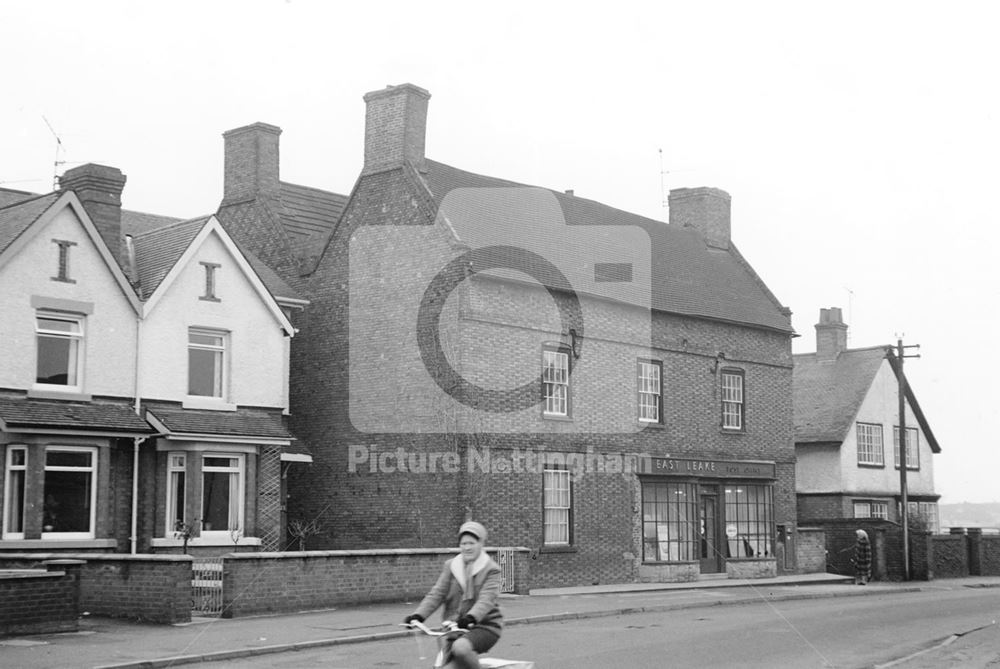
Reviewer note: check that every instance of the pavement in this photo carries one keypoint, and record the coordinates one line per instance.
(106, 643)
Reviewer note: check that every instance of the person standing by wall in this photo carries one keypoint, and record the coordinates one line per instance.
(862, 558)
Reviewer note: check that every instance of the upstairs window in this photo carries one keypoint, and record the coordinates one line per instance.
(60, 345)
(870, 445)
(206, 362)
(912, 447)
(732, 400)
(555, 382)
(650, 397)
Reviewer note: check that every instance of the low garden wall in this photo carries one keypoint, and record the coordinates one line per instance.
(153, 588)
(40, 601)
(256, 583)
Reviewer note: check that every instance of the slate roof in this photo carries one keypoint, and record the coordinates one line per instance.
(308, 215)
(688, 277)
(157, 251)
(17, 217)
(58, 415)
(243, 422)
(9, 196)
(828, 393)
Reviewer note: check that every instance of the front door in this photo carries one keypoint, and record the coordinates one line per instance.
(710, 556)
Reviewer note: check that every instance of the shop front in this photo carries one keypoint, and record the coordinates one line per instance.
(704, 516)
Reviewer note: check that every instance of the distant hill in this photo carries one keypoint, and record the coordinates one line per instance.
(969, 515)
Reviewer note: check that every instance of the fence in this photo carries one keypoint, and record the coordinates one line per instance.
(206, 586)
(505, 558)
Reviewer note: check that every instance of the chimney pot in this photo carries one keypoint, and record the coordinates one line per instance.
(395, 127)
(99, 189)
(707, 210)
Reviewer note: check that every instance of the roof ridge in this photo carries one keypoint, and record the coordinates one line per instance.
(315, 188)
(55, 193)
(173, 225)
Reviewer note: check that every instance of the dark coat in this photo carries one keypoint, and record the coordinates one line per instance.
(449, 588)
(863, 557)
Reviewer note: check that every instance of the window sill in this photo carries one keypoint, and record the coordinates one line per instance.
(163, 542)
(557, 417)
(729, 430)
(643, 424)
(57, 543)
(207, 403)
(55, 393)
(558, 549)
(864, 465)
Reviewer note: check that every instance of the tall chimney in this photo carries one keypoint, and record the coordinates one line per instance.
(707, 210)
(395, 127)
(251, 162)
(831, 334)
(99, 189)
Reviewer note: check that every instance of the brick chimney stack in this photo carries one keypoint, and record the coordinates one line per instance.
(395, 127)
(99, 189)
(251, 162)
(707, 210)
(831, 334)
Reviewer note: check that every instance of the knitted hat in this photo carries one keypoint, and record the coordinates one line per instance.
(473, 528)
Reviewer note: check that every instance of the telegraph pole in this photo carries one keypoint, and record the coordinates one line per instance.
(904, 500)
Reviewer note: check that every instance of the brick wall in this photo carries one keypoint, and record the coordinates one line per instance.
(950, 556)
(39, 601)
(153, 588)
(260, 583)
(811, 550)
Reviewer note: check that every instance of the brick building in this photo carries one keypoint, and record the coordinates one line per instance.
(611, 391)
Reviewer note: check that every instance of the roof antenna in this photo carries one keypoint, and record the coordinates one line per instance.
(59, 148)
(663, 188)
(850, 314)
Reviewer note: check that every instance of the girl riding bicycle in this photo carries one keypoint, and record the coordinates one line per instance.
(469, 587)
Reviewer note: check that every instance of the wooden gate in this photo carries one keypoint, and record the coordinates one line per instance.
(206, 586)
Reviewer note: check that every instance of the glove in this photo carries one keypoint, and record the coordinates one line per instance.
(413, 616)
(466, 621)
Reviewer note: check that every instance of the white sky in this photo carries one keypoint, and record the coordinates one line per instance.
(860, 141)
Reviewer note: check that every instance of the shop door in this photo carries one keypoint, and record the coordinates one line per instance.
(710, 557)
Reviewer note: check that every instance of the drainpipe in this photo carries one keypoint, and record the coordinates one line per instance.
(133, 539)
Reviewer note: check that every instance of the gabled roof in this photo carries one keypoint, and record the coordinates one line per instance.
(17, 219)
(308, 214)
(10, 196)
(827, 394)
(688, 277)
(162, 254)
(27, 415)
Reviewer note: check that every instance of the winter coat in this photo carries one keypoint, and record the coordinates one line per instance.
(863, 557)
(450, 586)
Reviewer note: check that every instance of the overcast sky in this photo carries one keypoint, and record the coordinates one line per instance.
(860, 141)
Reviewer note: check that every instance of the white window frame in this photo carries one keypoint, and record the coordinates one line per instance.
(871, 509)
(176, 472)
(555, 382)
(76, 339)
(650, 382)
(221, 383)
(871, 448)
(912, 447)
(8, 503)
(733, 400)
(557, 506)
(92, 470)
(237, 500)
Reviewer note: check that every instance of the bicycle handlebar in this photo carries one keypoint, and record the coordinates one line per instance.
(447, 627)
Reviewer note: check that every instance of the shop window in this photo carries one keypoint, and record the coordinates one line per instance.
(59, 338)
(733, 407)
(650, 392)
(669, 517)
(557, 506)
(70, 492)
(912, 447)
(14, 485)
(750, 512)
(870, 445)
(222, 493)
